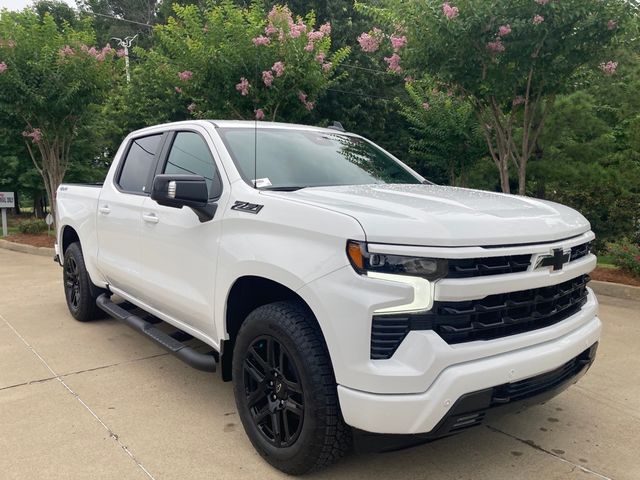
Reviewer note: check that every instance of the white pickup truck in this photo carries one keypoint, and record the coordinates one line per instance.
(351, 301)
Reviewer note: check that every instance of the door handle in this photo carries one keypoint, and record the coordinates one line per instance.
(105, 209)
(150, 217)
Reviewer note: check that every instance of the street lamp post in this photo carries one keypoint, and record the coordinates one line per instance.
(126, 44)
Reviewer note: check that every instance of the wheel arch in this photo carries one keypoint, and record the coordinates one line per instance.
(245, 295)
(67, 237)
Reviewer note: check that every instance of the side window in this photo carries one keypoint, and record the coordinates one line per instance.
(190, 155)
(135, 172)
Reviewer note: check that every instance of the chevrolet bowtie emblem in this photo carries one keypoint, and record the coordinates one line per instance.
(556, 260)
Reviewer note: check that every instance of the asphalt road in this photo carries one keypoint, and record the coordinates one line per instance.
(99, 401)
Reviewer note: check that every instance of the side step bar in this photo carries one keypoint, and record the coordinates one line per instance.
(200, 361)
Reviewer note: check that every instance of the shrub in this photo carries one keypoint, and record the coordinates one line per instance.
(626, 255)
(32, 226)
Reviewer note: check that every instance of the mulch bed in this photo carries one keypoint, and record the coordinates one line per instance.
(43, 240)
(614, 275)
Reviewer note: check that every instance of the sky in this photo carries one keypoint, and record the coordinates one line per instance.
(20, 4)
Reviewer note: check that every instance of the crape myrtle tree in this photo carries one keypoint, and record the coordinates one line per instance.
(227, 61)
(509, 59)
(51, 83)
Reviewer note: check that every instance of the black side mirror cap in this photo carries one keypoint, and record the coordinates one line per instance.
(179, 191)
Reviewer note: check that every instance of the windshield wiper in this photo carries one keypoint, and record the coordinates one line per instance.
(290, 188)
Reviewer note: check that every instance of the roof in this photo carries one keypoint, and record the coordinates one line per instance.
(240, 124)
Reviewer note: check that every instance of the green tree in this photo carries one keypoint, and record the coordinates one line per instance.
(445, 136)
(51, 86)
(232, 62)
(509, 59)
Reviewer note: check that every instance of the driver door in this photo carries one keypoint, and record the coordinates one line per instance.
(180, 252)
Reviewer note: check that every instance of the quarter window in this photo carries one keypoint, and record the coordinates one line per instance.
(190, 155)
(136, 169)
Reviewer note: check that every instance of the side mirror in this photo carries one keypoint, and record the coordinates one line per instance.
(179, 191)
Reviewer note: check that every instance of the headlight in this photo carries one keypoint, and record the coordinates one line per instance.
(365, 262)
(417, 272)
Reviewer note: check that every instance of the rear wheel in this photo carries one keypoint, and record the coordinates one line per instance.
(285, 390)
(78, 290)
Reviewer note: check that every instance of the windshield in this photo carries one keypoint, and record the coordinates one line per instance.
(291, 159)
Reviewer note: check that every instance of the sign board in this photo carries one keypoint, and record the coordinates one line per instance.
(7, 200)
(49, 219)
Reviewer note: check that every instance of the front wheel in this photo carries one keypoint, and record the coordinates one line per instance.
(285, 390)
(77, 286)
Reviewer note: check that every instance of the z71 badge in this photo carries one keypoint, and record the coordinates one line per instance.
(247, 207)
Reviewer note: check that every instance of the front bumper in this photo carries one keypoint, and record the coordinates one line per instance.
(473, 409)
(423, 412)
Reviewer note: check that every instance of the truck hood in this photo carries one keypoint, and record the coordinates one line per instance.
(432, 215)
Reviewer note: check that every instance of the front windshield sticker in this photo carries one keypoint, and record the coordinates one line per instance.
(262, 182)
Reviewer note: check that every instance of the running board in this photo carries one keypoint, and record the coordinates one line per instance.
(200, 361)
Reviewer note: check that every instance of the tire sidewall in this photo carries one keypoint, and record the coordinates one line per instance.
(86, 304)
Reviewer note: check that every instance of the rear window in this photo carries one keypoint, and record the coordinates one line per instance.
(136, 170)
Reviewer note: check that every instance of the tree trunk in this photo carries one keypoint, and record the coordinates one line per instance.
(522, 178)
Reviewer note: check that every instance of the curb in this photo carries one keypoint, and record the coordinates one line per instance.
(617, 290)
(19, 247)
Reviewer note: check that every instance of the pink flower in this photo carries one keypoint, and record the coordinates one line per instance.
(315, 35)
(177, 89)
(261, 40)
(186, 75)
(496, 46)
(426, 105)
(538, 19)
(542, 2)
(259, 114)
(309, 105)
(609, 68)
(302, 96)
(370, 42)
(270, 29)
(107, 49)
(35, 135)
(267, 77)
(409, 79)
(394, 63)
(243, 86)
(66, 51)
(192, 107)
(278, 68)
(279, 14)
(398, 42)
(504, 30)
(320, 57)
(449, 11)
(612, 25)
(120, 53)
(3, 67)
(326, 28)
(519, 100)
(308, 47)
(297, 29)
(326, 67)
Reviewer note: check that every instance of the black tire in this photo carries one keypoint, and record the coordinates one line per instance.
(312, 433)
(78, 290)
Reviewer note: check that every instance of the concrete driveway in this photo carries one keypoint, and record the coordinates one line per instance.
(99, 401)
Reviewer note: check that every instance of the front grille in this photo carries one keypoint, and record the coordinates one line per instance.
(478, 267)
(492, 317)
(580, 251)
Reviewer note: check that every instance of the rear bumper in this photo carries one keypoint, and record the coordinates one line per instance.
(424, 412)
(473, 409)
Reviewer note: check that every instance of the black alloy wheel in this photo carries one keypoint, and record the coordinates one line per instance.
(274, 392)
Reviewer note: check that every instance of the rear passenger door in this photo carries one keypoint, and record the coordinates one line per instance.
(179, 251)
(119, 216)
